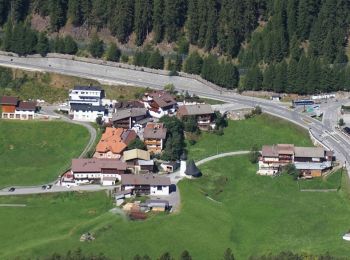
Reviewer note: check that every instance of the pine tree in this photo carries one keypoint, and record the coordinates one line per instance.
(121, 23)
(113, 52)
(280, 80)
(193, 64)
(254, 79)
(210, 36)
(314, 75)
(7, 38)
(269, 76)
(192, 23)
(157, 19)
(292, 76)
(57, 14)
(74, 12)
(70, 46)
(4, 11)
(174, 18)
(156, 60)
(96, 47)
(99, 13)
(302, 72)
(295, 50)
(142, 21)
(42, 46)
(19, 9)
(292, 18)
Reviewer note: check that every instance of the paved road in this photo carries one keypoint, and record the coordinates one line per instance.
(54, 189)
(115, 75)
(221, 155)
(50, 110)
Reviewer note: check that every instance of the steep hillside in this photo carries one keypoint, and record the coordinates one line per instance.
(284, 46)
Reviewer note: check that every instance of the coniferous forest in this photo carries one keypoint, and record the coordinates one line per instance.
(292, 46)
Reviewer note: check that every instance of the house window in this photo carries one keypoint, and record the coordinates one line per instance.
(159, 188)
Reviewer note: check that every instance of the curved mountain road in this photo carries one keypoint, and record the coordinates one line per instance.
(114, 75)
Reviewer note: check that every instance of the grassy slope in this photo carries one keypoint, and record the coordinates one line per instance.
(256, 215)
(36, 152)
(54, 87)
(242, 135)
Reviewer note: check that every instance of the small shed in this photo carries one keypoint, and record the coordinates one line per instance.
(169, 166)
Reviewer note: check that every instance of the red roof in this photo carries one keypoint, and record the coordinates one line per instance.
(5, 100)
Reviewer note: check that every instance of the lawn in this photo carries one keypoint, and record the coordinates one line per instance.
(252, 215)
(331, 181)
(242, 135)
(34, 152)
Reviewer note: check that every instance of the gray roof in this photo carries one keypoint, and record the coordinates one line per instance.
(275, 150)
(126, 113)
(309, 152)
(192, 169)
(154, 133)
(87, 107)
(193, 110)
(312, 165)
(148, 179)
(145, 162)
(96, 165)
(96, 88)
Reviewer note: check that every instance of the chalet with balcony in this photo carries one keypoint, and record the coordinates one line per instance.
(113, 143)
(310, 161)
(13, 108)
(104, 171)
(127, 118)
(203, 113)
(146, 184)
(159, 103)
(154, 136)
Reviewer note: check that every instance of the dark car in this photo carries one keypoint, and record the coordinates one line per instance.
(43, 187)
(12, 189)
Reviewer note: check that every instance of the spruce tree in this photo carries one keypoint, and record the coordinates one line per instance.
(42, 46)
(113, 52)
(74, 12)
(70, 46)
(193, 64)
(156, 60)
(96, 48)
(157, 20)
(292, 76)
(269, 76)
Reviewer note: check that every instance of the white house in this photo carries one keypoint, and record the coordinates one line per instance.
(104, 171)
(89, 95)
(146, 184)
(160, 103)
(84, 112)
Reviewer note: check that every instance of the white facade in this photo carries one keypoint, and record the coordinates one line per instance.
(85, 96)
(183, 168)
(159, 190)
(19, 115)
(87, 115)
(105, 179)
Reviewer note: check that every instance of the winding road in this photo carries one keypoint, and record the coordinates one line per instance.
(324, 132)
(50, 110)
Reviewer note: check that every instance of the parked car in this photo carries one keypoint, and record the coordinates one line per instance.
(43, 187)
(48, 186)
(12, 189)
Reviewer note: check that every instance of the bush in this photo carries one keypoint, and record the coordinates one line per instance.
(254, 154)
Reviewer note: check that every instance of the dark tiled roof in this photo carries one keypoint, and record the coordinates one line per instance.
(86, 107)
(154, 131)
(97, 88)
(194, 110)
(129, 104)
(192, 169)
(26, 105)
(163, 98)
(96, 165)
(126, 113)
(149, 179)
(5, 100)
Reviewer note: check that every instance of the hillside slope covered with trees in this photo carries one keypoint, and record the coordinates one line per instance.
(294, 46)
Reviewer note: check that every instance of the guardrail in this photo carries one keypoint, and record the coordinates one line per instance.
(123, 66)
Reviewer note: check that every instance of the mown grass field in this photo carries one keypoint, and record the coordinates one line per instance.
(230, 206)
(242, 135)
(35, 152)
(252, 214)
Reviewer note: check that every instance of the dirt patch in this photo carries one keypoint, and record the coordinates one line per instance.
(40, 23)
